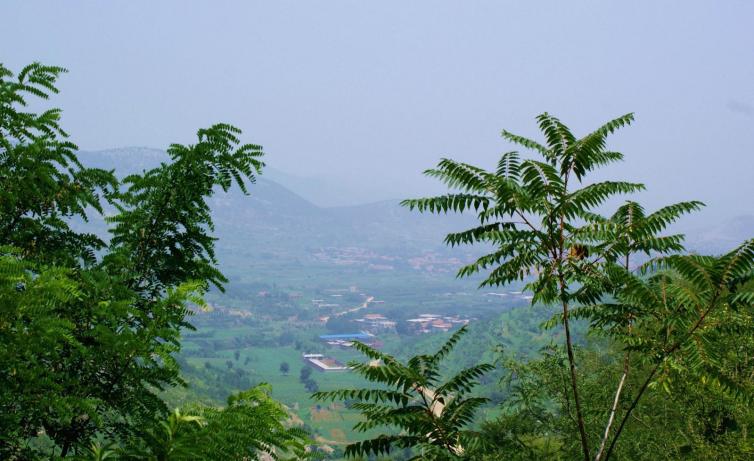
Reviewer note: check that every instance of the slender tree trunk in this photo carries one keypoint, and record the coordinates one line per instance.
(619, 390)
(613, 409)
(631, 409)
(574, 386)
(558, 255)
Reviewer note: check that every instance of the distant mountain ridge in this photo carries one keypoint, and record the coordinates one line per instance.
(273, 216)
(278, 221)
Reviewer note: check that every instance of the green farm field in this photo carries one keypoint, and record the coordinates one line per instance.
(213, 355)
(332, 422)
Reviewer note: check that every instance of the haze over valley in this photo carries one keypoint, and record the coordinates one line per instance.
(376, 231)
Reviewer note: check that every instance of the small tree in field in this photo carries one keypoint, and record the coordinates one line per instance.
(285, 368)
(305, 374)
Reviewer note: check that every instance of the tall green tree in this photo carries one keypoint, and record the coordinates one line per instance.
(89, 328)
(533, 212)
(541, 216)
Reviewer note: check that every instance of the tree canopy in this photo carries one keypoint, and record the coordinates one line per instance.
(90, 324)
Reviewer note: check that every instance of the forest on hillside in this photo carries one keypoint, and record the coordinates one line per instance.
(587, 330)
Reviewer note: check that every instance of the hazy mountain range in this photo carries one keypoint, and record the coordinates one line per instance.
(276, 219)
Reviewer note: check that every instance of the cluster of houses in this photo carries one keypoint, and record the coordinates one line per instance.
(373, 324)
(428, 261)
(425, 323)
(428, 323)
(355, 256)
(376, 323)
(434, 262)
(323, 304)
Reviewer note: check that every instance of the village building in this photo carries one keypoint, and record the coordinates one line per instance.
(322, 363)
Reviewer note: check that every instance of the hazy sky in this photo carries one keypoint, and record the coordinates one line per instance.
(375, 92)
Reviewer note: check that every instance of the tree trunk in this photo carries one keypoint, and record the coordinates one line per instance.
(614, 408)
(574, 387)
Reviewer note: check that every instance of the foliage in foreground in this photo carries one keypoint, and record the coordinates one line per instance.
(89, 328)
(412, 401)
(252, 423)
(691, 419)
